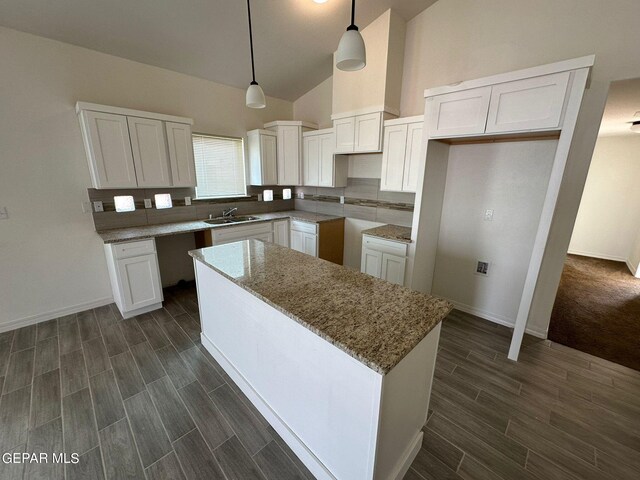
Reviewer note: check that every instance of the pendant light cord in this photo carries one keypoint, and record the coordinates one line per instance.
(353, 16)
(253, 68)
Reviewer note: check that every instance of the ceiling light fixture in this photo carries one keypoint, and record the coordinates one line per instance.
(255, 95)
(320, 1)
(635, 126)
(352, 54)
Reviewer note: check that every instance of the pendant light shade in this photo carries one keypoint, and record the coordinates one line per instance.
(255, 95)
(352, 54)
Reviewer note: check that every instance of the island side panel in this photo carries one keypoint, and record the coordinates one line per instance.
(406, 391)
(323, 402)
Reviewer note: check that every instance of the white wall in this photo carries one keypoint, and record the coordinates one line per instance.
(51, 259)
(511, 179)
(609, 215)
(315, 105)
(456, 40)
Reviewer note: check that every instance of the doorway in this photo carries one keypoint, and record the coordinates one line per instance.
(597, 307)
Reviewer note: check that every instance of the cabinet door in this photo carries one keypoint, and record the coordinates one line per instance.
(529, 104)
(412, 158)
(268, 150)
(180, 143)
(344, 130)
(311, 156)
(265, 237)
(368, 129)
(149, 152)
(106, 138)
(327, 163)
(281, 232)
(139, 281)
(393, 157)
(310, 244)
(371, 262)
(393, 268)
(458, 113)
(289, 151)
(297, 241)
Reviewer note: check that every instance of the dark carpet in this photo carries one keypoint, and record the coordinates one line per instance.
(597, 310)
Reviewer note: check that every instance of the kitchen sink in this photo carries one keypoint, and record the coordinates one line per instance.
(228, 220)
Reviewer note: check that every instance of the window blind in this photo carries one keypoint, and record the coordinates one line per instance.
(219, 166)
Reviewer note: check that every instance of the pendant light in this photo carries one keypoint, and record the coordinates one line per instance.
(255, 95)
(352, 54)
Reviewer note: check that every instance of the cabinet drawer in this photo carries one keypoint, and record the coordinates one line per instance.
(133, 249)
(304, 227)
(231, 234)
(385, 246)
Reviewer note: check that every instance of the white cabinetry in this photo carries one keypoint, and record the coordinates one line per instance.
(135, 276)
(149, 152)
(401, 154)
(129, 148)
(360, 132)
(263, 168)
(259, 231)
(321, 167)
(385, 259)
(458, 113)
(281, 232)
(289, 149)
(304, 237)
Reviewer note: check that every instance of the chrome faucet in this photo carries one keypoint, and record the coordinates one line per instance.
(228, 213)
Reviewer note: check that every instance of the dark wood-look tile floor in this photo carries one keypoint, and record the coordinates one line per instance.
(141, 398)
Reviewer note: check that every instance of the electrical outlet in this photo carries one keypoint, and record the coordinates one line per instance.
(187, 201)
(147, 203)
(342, 199)
(482, 268)
(488, 215)
(4, 214)
(300, 195)
(98, 206)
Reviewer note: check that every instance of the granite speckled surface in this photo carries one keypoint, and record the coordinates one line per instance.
(374, 321)
(390, 232)
(129, 234)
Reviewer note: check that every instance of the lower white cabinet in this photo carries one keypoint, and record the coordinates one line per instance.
(281, 232)
(259, 231)
(135, 276)
(385, 259)
(304, 237)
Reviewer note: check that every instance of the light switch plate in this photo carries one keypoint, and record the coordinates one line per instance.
(342, 199)
(98, 206)
(301, 195)
(4, 214)
(147, 203)
(488, 215)
(187, 201)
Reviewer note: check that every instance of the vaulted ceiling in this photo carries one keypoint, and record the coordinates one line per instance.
(293, 39)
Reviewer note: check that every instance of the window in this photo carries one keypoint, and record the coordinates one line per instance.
(219, 166)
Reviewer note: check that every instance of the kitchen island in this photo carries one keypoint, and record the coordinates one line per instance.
(339, 363)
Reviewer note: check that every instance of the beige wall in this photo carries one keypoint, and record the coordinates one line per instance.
(609, 215)
(456, 40)
(315, 105)
(51, 259)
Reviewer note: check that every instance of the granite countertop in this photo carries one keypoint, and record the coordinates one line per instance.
(390, 232)
(128, 234)
(374, 321)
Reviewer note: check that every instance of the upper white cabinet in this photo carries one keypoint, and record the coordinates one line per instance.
(263, 168)
(180, 145)
(401, 154)
(529, 104)
(129, 148)
(321, 167)
(106, 140)
(289, 149)
(458, 113)
(360, 132)
(149, 152)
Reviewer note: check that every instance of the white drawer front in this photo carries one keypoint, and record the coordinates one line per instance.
(133, 249)
(231, 234)
(304, 226)
(385, 246)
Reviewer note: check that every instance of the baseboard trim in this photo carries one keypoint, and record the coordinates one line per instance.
(43, 317)
(494, 318)
(597, 255)
(409, 456)
(307, 457)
